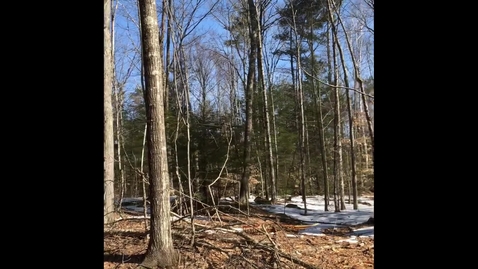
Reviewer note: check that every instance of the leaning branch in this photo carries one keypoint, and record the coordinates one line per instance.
(330, 85)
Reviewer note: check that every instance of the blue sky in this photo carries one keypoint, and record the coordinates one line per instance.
(127, 38)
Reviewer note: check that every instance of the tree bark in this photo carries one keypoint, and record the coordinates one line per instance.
(320, 127)
(331, 6)
(351, 124)
(339, 180)
(249, 91)
(300, 106)
(160, 250)
(108, 142)
(268, 140)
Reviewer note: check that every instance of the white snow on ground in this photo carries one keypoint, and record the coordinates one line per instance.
(325, 219)
(316, 215)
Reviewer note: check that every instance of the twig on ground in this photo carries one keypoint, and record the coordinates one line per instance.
(258, 245)
(202, 244)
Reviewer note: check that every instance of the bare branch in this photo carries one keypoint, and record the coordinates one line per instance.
(341, 87)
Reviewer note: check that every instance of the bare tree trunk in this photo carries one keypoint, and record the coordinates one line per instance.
(190, 183)
(144, 179)
(351, 124)
(176, 153)
(118, 100)
(203, 161)
(332, 6)
(249, 92)
(350, 115)
(268, 143)
(362, 131)
(337, 142)
(120, 141)
(264, 184)
(300, 101)
(108, 142)
(320, 127)
(160, 250)
(323, 151)
(307, 157)
(166, 20)
(302, 131)
(180, 91)
(275, 142)
(337, 119)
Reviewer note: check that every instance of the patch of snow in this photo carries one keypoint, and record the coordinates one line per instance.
(352, 239)
(315, 214)
(364, 232)
(326, 219)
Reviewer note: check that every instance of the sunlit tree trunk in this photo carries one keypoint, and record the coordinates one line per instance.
(332, 7)
(249, 92)
(268, 139)
(339, 179)
(353, 174)
(108, 141)
(320, 127)
(160, 250)
(300, 107)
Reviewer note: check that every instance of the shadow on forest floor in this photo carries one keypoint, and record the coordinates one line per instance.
(117, 258)
(138, 235)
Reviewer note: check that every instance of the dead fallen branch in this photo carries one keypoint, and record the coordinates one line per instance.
(220, 247)
(272, 248)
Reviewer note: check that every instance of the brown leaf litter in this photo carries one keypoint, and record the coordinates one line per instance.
(262, 240)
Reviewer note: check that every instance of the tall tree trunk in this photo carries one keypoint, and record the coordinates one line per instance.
(176, 155)
(166, 20)
(118, 100)
(160, 250)
(320, 127)
(333, 69)
(249, 92)
(307, 157)
(190, 182)
(351, 125)
(276, 149)
(264, 183)
(300, 103)
(270, 156)
(203, 160)
(262, 170)
(144, 178)
(108, 141)
(332, 6)
(362, 131)
(120, 141)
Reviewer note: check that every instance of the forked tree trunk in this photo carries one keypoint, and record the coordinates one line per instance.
(160, 250)
(108, 142)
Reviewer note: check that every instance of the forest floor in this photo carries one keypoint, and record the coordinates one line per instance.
(228, 240)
